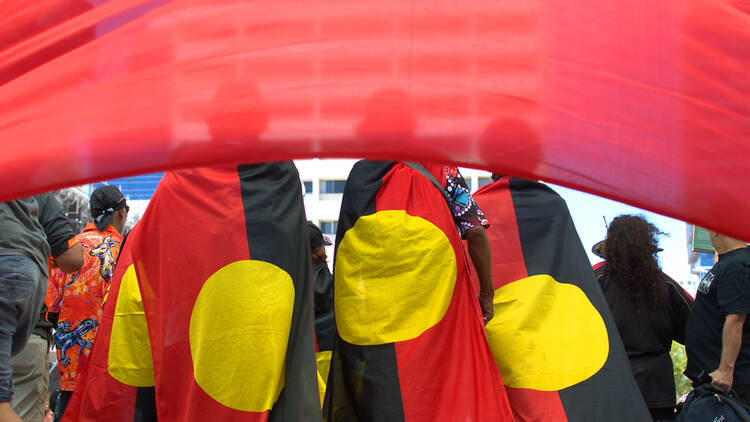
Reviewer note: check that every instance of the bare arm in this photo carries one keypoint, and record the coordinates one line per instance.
(731, 340)
(479, 251)
(71, 260)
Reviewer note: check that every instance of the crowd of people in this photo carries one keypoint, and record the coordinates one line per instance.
(651, 310)
(416, 280)
(54, 282)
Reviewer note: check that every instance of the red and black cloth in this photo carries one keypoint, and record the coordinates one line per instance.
(446, 373)
(200, 222)
(533, 237)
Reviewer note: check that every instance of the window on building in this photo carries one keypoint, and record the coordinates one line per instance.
(329, 227)
(332, 186)
(481, 181)
(308, 187)
(706, 259)
(136, 187)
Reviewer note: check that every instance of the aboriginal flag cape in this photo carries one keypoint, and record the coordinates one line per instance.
(223, 264)
(553, 335)
(410, 343)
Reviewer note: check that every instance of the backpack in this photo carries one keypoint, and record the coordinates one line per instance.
(708, 404)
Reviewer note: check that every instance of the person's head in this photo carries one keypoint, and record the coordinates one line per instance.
(237, 111)
(514, 141)
(388, 117)
(317, 243)
(632, 245)
(108, 206)
(723, 243)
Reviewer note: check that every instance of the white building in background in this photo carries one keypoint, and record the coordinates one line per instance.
(323, 186)
(323, 182)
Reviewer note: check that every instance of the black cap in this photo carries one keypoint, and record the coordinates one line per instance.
(316, 236)
(105, 200)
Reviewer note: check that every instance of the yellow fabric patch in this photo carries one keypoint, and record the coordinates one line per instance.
(395, 275)
(239, 331)
(323, 360)
(129, 358)
(546, 335)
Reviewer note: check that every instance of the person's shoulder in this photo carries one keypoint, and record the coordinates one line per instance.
(79, 236)
(600, 269)
(43, 199)
(734, 262)
(543, 195)
(737, 255)
(90, 237)
(675, 289)
(111, 233)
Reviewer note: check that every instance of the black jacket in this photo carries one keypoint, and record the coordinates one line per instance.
(647, 333)
(325, 322)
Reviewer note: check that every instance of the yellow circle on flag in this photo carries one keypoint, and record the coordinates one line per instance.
(546, 335)
(239, 331)
(129, 360)
(395, 275)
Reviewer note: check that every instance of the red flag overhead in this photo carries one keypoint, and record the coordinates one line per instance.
(646, 102)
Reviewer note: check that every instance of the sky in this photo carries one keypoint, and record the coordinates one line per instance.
(587, 211)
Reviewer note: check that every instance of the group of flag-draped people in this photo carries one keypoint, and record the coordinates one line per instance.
(442, 306)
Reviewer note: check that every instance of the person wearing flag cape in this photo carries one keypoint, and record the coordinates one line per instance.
(212, 313)
(410, 342)
(553, 336)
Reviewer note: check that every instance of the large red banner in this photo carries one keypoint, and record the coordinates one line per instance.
(645, 102)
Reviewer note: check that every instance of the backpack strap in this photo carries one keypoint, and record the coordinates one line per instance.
(420, 168)
(740, 410)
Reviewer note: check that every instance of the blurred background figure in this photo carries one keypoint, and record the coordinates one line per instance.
(76, 300)
(31, 235)
(30, 370)
(649, 308)
(324, 320)
(718, 339)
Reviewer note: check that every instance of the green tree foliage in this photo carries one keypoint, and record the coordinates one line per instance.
(681, 382)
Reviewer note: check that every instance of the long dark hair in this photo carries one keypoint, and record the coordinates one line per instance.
(631, 249)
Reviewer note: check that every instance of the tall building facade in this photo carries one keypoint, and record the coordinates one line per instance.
(323, 182)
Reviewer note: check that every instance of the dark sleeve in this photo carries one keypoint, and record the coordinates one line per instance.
(55, 224)
(323, 290)
(733, 292)
(680, 303)
(599, 274)
(465, 211)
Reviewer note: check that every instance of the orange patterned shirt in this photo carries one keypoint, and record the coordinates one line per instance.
(78, 297)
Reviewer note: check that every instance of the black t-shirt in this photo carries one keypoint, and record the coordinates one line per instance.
(647, 331)
(58, 232)
(55, 224)
(723, 291)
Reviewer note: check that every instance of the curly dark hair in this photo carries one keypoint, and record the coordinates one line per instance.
(631, 248)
